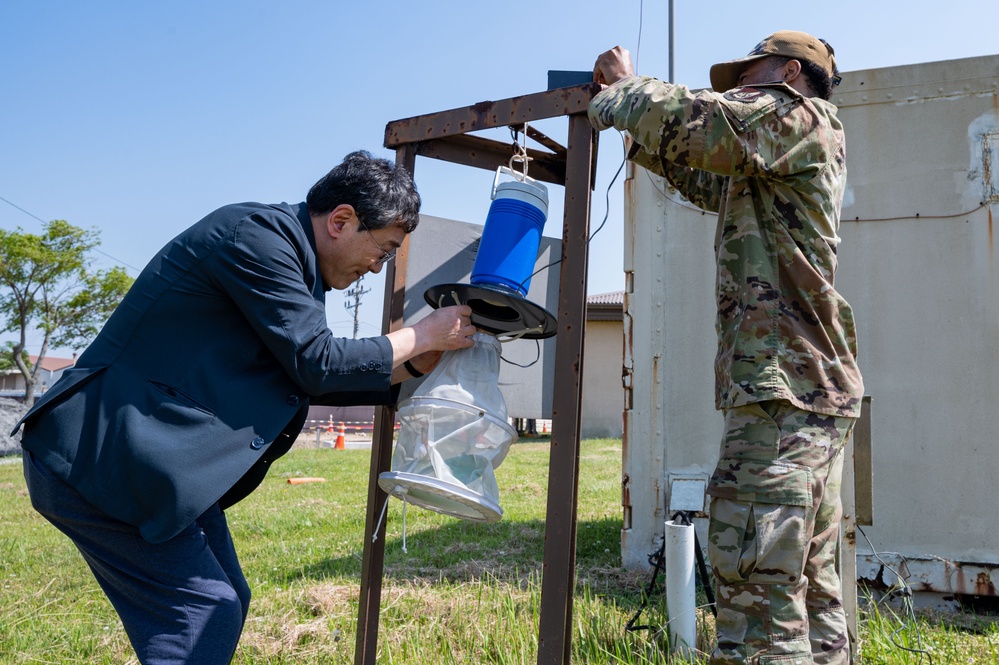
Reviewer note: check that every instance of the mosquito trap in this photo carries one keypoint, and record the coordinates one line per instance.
(453, 434)
(453, 430)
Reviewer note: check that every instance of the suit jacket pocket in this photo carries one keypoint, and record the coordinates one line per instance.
(174, 396)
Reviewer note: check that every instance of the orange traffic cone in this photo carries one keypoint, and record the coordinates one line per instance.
(329, 429)
(339, 439)
(544, 427)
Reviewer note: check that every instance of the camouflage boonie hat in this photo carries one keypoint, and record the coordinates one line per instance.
(788, 43)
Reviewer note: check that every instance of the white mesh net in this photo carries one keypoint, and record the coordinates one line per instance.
(453, 434)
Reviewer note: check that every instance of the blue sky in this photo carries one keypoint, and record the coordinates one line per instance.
(138, 118)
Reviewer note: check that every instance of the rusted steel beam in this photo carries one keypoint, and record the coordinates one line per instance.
(489, 154)
(546, 141)
(373, 561)
(559, 565)
(863, 465)
(490, 114)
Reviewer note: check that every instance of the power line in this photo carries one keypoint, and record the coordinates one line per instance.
(13, 205)
(33, 216)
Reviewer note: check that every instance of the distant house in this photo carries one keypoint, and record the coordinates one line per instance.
(12, 382)
(603, 358)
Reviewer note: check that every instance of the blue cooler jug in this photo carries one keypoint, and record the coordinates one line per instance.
(512, 234)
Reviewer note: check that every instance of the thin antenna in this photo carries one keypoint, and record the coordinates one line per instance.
(672, 44)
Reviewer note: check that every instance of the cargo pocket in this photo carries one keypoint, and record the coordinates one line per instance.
(758, 532)
(754, 481)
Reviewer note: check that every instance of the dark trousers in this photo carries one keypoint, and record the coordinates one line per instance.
(181, 601)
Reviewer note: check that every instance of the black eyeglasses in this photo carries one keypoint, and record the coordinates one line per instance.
(386, 256)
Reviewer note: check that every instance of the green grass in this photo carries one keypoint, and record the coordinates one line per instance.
(462, 593)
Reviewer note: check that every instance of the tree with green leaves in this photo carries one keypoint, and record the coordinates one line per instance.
(47, 283)
(7, 357)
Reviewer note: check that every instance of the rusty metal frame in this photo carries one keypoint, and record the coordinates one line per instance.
(858, 509)
(445, 136)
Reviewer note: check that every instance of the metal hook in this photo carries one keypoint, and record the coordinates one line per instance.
(520, 151)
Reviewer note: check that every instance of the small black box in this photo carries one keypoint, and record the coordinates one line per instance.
(564, 79)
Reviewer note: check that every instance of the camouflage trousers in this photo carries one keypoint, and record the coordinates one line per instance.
(773, 537)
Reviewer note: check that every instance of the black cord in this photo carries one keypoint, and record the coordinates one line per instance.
(658, 562)
(602, 223)
(705, 579)
(906, 593)
(537, 357)
(624, 149)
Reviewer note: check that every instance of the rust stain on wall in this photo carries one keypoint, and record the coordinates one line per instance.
(991, 245)
(979, 584)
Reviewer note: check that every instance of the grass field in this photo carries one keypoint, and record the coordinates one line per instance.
(461, 592)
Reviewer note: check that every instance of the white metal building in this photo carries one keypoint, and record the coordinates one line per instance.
(919, 263)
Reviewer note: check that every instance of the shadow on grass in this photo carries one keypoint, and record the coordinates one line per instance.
(966, 621)
(509, 552)
(972, 615)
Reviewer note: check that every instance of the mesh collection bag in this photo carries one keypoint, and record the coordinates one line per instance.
(453, 434)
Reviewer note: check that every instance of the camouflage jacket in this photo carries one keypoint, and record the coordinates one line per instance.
(772, 164)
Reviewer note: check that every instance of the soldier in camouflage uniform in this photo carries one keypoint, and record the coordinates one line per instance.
(765, 151)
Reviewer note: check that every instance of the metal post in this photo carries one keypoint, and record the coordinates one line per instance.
(559, 567)
(373, 562)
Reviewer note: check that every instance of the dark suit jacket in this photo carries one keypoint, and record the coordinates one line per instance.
(214, 353)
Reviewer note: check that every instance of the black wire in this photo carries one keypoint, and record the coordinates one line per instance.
(117, 260)
(624, 149)
(520, 287)
(658, 562)
(906, 593)
(602, 223)
(536, 358)
(14, 205)
(702, 571)
(638, 48)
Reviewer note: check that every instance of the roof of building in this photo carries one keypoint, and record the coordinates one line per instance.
(612, 298)
(51, 364)
(605, 306)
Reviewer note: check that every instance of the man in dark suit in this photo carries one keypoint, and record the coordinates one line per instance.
(200, 379)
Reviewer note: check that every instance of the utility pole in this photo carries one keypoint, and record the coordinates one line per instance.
(356, 292)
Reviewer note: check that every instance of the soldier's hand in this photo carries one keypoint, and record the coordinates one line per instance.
(612, 66)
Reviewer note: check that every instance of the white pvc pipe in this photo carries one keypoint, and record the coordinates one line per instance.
(680, 597)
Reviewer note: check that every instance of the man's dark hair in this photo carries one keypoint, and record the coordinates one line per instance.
(380, 193)
(819, 82)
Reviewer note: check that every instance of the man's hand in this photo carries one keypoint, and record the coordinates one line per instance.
(612, 66)
(442, 330)
(445, 329)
